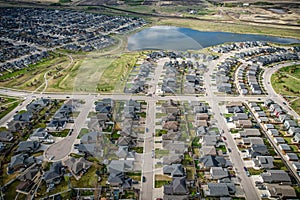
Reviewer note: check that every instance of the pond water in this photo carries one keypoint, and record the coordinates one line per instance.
(175, 38)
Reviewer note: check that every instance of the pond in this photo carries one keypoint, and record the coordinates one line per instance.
(175, 38)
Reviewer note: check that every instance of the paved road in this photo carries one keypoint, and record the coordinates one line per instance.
(237, 161)
(62, 148)
(271, 92)
(148, 160)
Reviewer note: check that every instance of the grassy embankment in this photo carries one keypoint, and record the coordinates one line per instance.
(7, 104)
(229, 27)
(286, 82)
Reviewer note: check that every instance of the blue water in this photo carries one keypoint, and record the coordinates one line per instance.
(175, 38)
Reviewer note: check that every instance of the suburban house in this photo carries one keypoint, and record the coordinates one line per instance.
(218, 173)
(243, 123)
(15, 126)
(37, 105)
(273, 132)
(284, 147)
(296, 166)
(292, 156)
(174, 170)
(39, 135)
(293, 130)
(20, 161)
(289, 123)
(77, 166)
(6, 136)
(177, 186)
(219, 190)
(54, 174)
(28, 146)
(263, 162)
(250, 132)
(276, 176)
(258, 150)
(206, 162)
(279, 140)
(117, 169)
(281, 191)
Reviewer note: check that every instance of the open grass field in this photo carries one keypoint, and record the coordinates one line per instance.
(229, 27)
(286, 82)
(114, 76)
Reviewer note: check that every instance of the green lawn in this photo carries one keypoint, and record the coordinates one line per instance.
(8, 109)
(279, 164)
(222, 148)
(286, 82)
(62, 133)
(160, 132)
(161, 183)
(255, 172)
(228, 115)
(116, 72)
(89, 179)
(82, 132)
(161, 152)
(161, 180)
(137, 149)
(294, 148)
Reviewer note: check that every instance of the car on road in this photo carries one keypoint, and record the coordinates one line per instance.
(51, 157)
(263, 195)
(144, 179)
(67, 97)
(259, 99)
(229, 150)
(284, 103)
(224, 138)
(147, 129)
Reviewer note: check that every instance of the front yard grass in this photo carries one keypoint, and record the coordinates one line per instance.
(161, 152)
(62, 133)
(255, 172)
(82, 132)
(161, 180)
(138, 149)
(221, 147)
(160, 132)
